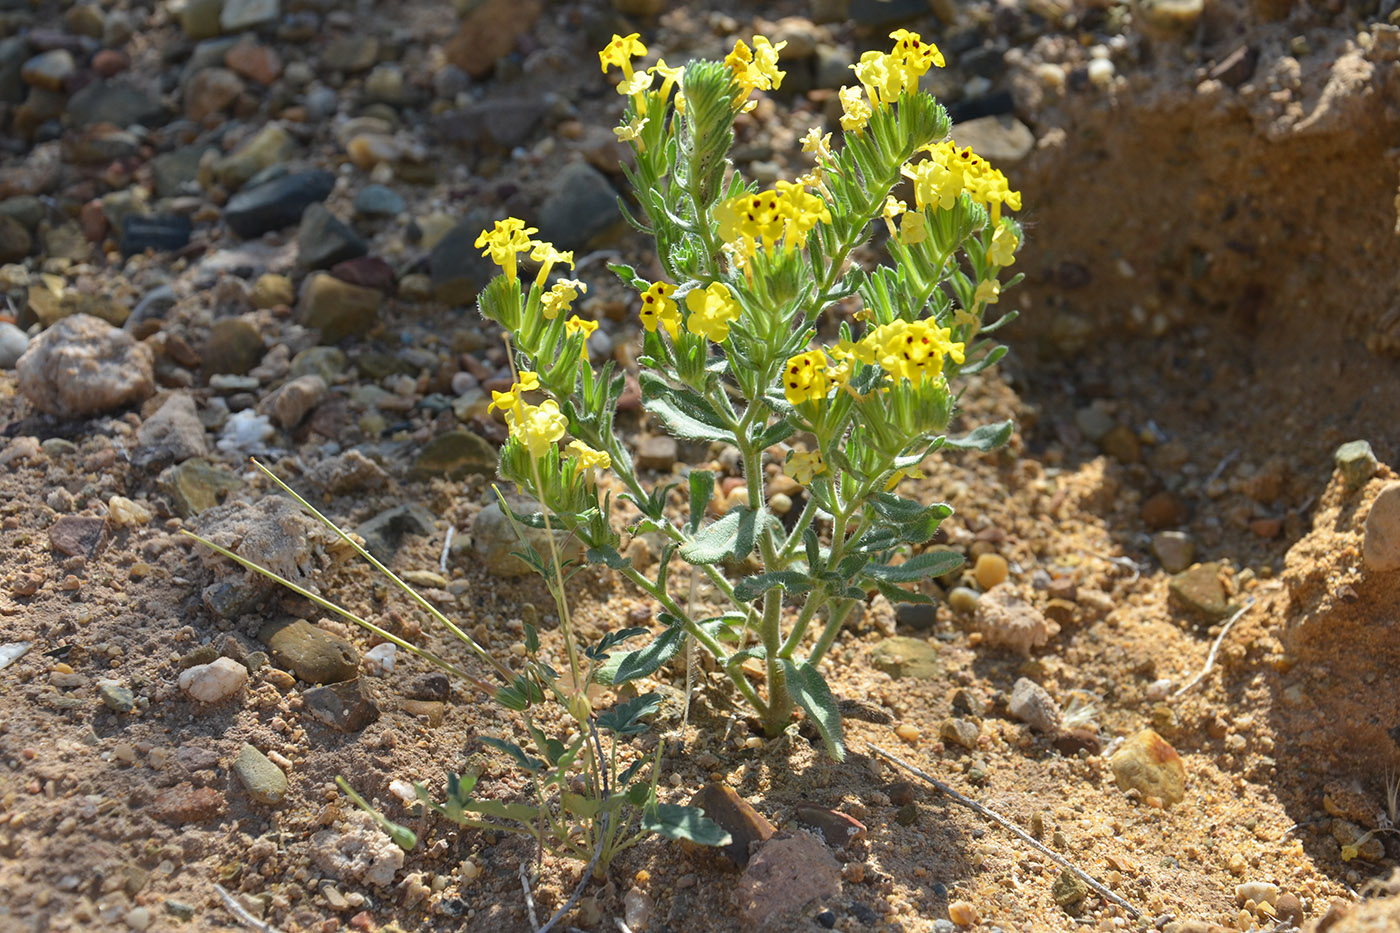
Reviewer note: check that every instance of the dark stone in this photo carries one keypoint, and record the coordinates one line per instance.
(508, 123)
(232, 599)
(580, 207)
(196, 485)
(171, 171)
(917, 616)
(163, 233)
(838, 829)
(366, 272)
(455, 455)
(986, 61)
(1237, 67)
(827, 919)
(346, 706)
(863, 914)
(988, 105)
(313, 654)
(234, 346)
(882, 13)
(383, 533)
(77, 535)
(456, 266)
(431, 686)
(115, 102)
(277, 204)
(14, 52)
(325, 239)
(1071, 742)
(745, 825)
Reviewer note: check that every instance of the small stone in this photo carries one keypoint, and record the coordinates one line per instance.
(963, 599)
(901, 656)
(964, 914)
(907, 814)
(276, 204)
(1381, 547)
(350, 472)
(1289, 909)
(1356, 462)
(351, 53)
(196, 485)
(50, 70)
(489, 32)
(271, 290)
(347, 706)
(138, 918)
(494, 542)
(162, 233)
(264, 781)
(270, 146)
(185, 803)
(1069, 892)
(917, 616)
(294, 401)
(173, 434)
(200, 18)
(1200, 591)
(1005, 620)
(1121, 443)
(235, 345)
(15, 241)
(1175, 549)
(1260, 892)
(745, 825)
(338, 309)
(432, 686)
(1033, 705)
(313, 654)
(907, 733)
(1147, 763)
(325, 240)
(791, 870)
(378, 201)
(214, 682)
(1165, 510)
(990, 570)
(580, 208)
(1169, 17)
(840, 830)
(238, 15)
(657, 453)
(1002, 139)
(254, 61)
(960, 732)
(77, 535)
(116, 696)
(1073, 741)
(454, 455)
(84, 366)
(210, 92)
(383, 532)
(385, 84)
(457, 268)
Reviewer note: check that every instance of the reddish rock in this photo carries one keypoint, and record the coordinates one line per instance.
(109, 62)
(838, 829)
(211, 91)
(789, 872)
(366, 272)
(77, 535)
(489, 32)
(1266, 527)
(93, 221)
(185, 803)
(255, 62)
(745, 825)
(1165, 510)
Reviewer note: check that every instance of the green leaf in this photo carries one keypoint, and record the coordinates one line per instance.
(532, 639)
(900, 510)
(529, 763)
(629, 276)
(645, 661)
(732, 536)
(809, 689)
(986, 362)
(702, 488)
(519, 812)
(919, 567)
(677, 822)
(600, 650)
(585, 808)
(625, 718)
(750, 588)
(608, 556)
(987, 437)
(898, 594)
(776, 432)
(684, 412)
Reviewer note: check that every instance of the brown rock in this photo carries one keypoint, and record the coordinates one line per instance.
(1121, 444)
(108, 62)
(490, 31)
(790, 871)
(77, 535)
(1289, 909)
(185, 803)
(1267, 528)
(210, 92)
(82, 366)
(338, 309)
(345, 706)
(1074, 741)
(1147, 763)
(1165, 510)
(838, 829)
(15, 241)
(1200, 591)
(744, 824)
(366, 272)
(255, 62)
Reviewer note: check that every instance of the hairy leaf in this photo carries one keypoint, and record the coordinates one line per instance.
(730, 537)
(919, 567)
(809, 689)
(751, 588)
(625, 717)
(677, 822)
(645, 661)
(684, 412)
(987, 437)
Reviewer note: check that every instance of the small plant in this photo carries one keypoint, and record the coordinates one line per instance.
(730, 356)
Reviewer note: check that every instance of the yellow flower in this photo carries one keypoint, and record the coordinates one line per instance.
(509, 400)
(1002, 252)
(814, 141)
(537, 426)
(949, 171)
(882, 81)
(577, 325)
(801, 212)
(913, 56)
(789, 213)
(855, 113)
(630, 131)
(669, 77)
(912, 351)
(805, 378)
(802, 465)
(988, 292)
(754, 69)
(508, 237)
(620, 52)
(711, 311)
(561, 297)
(913, 229)
(546, 255)
(588, 458)
(659, 309)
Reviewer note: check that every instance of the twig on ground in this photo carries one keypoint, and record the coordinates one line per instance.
(446, 546)
(241, 914)
(1210, 658)
(622, 926)
(529, 899)
(1225, 461)
(1012, 827)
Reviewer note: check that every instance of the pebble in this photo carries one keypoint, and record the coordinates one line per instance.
(455, 455)
(1381, 547)
(162, 233)
(991, 569)
(295, 400)
(379, 660)
(1147, 763)
(15, 241)
(745, 825)
(1260, 892)
(917, 616)
(964, 914)
(325, 239)
(1101, 72)
(1356, 462)
(1289, 909)
(1003, 139)
(1200, 591)
(139, 918)
(1164, 510)
(185, 803)
(383, 532)
(351, 53)
(791, 870)
(210, 92)
(963, 599)
(196, 485)
(489, 32)
(902, 656)
(1175, 549)
(114, 102)
(254, 61)
(49, 70)
(907, 733)
(276, 204)
(173, 434)
(1170, 17)
(116, 696)
(214, 682)
(1033, 705)
(200, 18)
(347, 707)
(271, 290)
(960, 731)
(234, 345)
(266, 149)
(13, 343)
(264, 781)
(494, 541)
(581, 207)
(313, 654)
(336, 308)
(1069, 892)
(457, 268)
(238, 15)
(83, 366)
(378, 201)
(840, 830)
(658, 453)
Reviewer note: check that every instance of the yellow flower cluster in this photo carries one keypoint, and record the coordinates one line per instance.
(577, 325)
(805, 378)
(885, 76)
(802, 465)
(712, 311)
(905, 350)
(754, 69)
(535, 426)
(788, 212)
(504, 240)
(1003, 249)
(949, 171)
(659, 309)
(561, 297)
(588, 458)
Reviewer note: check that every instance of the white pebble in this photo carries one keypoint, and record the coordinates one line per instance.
(1052, 76)
(215, 681)
(1158, 689)
(1101, 72)
(404, 791)
(379, 660)
(138, 918)
(1260, 892)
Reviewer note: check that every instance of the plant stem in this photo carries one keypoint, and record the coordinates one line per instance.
(834, 621)
(779, 700)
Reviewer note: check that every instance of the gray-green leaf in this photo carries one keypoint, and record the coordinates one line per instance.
(809, 689)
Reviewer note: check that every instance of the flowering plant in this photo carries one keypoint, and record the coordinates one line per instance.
(730, 356)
